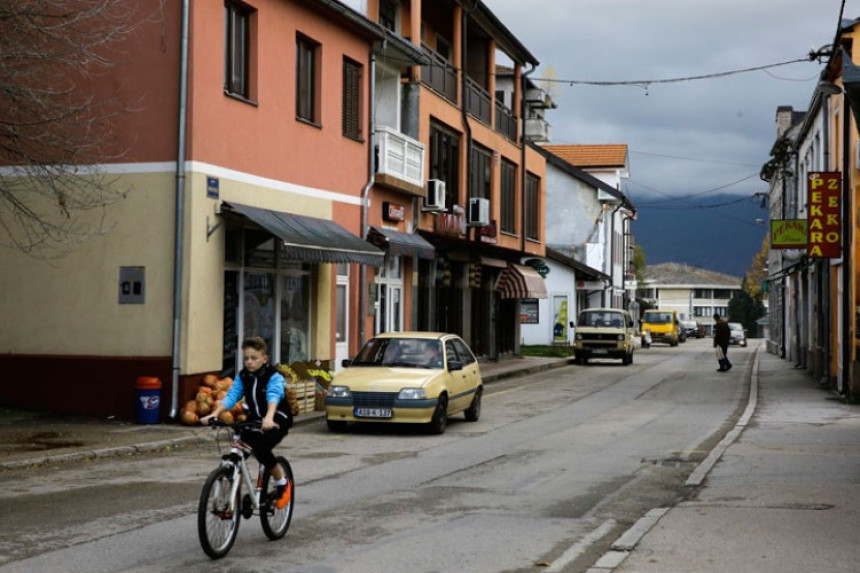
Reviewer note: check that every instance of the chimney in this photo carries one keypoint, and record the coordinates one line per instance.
(784, 115)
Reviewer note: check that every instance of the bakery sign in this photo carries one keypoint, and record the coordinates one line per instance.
(393, 211)
(824, 225)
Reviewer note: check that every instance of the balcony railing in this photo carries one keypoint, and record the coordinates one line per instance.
(506, 123)
(399, 156)
(440, 75)
(537, 129)
(478, 101)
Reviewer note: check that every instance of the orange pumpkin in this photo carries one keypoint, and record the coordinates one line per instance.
(189, 418)
(226, 417)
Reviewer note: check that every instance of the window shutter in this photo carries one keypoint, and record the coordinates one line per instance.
(351, 99)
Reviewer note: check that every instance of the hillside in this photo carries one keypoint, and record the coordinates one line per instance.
(722, 239)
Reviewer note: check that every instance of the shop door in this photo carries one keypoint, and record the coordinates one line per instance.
(341, 321)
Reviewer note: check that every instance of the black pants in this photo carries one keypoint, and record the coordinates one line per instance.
(262, 443)
(724, 363)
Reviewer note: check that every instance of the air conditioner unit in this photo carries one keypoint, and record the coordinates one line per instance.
(435, 198)
(478, 214)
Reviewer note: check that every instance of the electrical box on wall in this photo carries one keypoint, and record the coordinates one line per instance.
(131, 285)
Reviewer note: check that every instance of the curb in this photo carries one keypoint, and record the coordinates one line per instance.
(198, 438)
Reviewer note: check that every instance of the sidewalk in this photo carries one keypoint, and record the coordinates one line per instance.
(782, 497)
(29, 438)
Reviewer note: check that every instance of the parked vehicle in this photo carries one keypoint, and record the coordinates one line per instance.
(737, 334)
(604, 333)
(407, 377)
(691, 329)
(682, 334)
(662, 324)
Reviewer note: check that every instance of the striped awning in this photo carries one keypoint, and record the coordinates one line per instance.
(519, 281)
(403, 244)
(311, 239)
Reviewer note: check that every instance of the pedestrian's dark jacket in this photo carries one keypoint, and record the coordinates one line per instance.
(722, 336)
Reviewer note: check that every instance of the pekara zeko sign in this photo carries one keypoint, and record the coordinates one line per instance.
(824, 218)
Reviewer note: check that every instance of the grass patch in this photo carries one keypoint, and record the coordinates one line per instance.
(546, 350)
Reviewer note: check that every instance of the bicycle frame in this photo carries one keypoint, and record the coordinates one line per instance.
(236, 459)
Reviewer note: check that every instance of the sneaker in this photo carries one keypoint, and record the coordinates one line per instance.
(729, 367)
(283, 493)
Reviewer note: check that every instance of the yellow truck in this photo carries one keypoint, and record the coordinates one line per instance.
(662, 325)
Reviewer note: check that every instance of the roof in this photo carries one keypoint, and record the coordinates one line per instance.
(681, 274)
(591, 155)
(578, 173)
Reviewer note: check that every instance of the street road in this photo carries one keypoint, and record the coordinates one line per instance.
(559, 466)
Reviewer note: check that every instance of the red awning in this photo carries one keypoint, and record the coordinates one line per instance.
(518, 281)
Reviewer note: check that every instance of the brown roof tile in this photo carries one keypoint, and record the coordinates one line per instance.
(591, 155)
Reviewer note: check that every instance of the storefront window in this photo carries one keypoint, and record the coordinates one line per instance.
(295, 318)
(259, 302)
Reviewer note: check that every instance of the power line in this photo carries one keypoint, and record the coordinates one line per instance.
(686, 197)
(646, 83)
(717, 161)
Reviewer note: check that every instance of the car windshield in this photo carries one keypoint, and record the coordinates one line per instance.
(597, 318)
(658, 317)
(736, 326)
(400, 352)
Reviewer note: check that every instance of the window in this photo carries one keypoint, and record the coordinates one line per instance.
(509, 197)
(445, 161)
(480, 179)
(306, 79)
(352, 72)
(388, 15)
(237, 32)
(703, 293)
(722, 293)
(532, 207)
(702, 311)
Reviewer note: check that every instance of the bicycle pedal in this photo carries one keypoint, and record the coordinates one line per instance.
(247, 507)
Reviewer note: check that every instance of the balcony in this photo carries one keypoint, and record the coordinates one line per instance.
(440, 75)
(399, 160)
(506, 123)
(478, 101)
(537, 129)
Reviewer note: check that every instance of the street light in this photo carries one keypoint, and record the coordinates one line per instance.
(828, 88)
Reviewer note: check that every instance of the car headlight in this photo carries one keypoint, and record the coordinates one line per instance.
(412, 394)
(338, 392)
(578, 337)
(620, 337)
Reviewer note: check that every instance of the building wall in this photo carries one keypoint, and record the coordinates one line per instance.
(560, 281)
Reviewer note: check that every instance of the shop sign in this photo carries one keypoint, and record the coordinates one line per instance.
(529, 311)
(489, 233)
(393, 211)
(788, 234)
(824, 221)
(451, 224)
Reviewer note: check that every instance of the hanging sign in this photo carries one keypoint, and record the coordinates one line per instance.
(788, 234)
(824, 221)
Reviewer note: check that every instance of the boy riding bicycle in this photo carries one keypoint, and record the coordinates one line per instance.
(263, 389)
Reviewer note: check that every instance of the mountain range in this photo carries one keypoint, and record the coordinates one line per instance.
(720, 232)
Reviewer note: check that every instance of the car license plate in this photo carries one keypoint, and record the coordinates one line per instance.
(373, 412)
(600, 351)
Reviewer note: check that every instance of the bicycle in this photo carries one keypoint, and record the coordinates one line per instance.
(222, 502)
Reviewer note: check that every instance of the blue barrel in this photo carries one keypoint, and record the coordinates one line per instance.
(147, 392)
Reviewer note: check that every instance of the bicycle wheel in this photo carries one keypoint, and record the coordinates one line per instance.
(276, 521)
(217, 524)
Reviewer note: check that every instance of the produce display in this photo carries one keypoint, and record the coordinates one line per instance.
(211, 390)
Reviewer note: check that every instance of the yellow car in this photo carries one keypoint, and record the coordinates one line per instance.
(407, 377)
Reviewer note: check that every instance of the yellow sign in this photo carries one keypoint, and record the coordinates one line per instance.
(788, 234)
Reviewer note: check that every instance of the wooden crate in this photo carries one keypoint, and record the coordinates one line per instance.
(305, 390)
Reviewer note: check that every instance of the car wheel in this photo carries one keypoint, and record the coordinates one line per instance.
(440, 416)
(474, 410)
(744, 343)
(336, 425)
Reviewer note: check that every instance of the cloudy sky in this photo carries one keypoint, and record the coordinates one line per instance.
(689, 137)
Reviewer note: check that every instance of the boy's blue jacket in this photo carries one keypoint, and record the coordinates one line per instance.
(260, 388)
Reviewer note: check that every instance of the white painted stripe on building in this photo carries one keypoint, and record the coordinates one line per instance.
(207, 169)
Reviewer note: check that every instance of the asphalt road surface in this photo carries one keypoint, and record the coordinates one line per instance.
(560, 464)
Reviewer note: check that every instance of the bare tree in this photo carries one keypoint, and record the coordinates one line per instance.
(55, 133)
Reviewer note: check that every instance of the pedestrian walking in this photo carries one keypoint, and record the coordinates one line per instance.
(721, 343)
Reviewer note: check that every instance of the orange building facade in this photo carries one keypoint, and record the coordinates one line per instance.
(278, 186)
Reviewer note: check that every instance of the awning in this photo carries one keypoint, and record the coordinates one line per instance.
(491, 262)
(518, 281)
(311, 239)
(403, 244)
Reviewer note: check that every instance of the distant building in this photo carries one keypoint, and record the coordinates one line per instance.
(695, 294)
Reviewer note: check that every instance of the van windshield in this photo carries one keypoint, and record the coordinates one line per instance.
(658, 317)
(611, 319)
